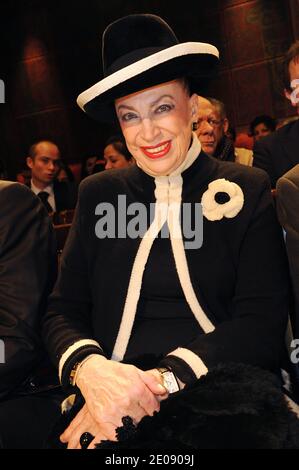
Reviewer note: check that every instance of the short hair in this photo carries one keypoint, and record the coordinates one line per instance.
(32, 149)
(120, 145)
(291, 54)
(269, 122)
(220, 107)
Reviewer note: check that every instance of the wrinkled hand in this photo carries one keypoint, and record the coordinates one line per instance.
(84, 422)
(112, 390)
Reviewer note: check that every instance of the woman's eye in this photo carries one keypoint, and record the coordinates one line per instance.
(128, 117)
(164, 108)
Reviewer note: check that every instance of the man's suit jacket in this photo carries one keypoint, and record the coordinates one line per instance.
(278, 152)
(27, 271)
(65, 195)
(288, 213)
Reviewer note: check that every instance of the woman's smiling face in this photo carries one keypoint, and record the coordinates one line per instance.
(157, 125)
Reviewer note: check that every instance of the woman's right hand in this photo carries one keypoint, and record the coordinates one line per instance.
(83, 423)
(113, 390)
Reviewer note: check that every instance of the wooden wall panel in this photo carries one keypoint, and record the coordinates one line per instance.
(294, 7)
(252, 94)
(257, 33)
(52, 52)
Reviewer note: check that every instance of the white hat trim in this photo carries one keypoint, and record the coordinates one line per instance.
(142, 65)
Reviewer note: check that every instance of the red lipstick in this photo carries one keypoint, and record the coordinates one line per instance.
(157, 151)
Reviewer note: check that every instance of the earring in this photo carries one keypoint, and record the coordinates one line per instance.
(194, 126)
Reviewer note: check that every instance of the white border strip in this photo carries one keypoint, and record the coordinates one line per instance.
(185, 281)
(173, 220)
(70, 350)
(135, 283)
(193, 361)
(142, 65)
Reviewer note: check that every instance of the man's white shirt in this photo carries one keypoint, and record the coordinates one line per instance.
(49, 189)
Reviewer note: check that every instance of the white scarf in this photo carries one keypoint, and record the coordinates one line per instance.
(168, 195)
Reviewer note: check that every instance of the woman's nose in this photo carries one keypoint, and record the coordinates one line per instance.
(150, 130)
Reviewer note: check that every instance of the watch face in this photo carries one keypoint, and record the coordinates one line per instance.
(170, 382)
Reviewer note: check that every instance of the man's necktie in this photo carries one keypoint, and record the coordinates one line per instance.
(43, 195)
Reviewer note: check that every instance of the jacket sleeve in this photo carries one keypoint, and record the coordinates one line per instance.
(287, 209)
(27, 270)
(256, 330)
(67, 330)
(263, 159)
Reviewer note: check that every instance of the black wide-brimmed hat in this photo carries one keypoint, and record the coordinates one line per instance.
(140, 51)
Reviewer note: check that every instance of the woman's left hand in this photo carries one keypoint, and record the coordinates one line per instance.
(155, 373)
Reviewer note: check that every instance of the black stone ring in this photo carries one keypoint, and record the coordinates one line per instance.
(86, 439)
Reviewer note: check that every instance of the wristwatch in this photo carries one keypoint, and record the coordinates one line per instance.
(73, 373)
(169, 380)
(75, 369)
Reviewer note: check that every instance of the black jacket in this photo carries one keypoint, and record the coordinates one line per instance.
(239, 274)
(288, 211)
(278, 152)
(27, 270)
(65, 195)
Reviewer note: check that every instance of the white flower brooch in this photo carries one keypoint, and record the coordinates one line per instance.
(222, 199)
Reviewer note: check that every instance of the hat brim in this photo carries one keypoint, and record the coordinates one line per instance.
(196, 61)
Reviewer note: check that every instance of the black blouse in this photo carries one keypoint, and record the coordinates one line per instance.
(161, 299)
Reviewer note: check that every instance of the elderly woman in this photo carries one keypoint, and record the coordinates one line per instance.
(137, 316)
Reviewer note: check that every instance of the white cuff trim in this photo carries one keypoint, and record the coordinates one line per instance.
(193, 361)
(72, 349)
